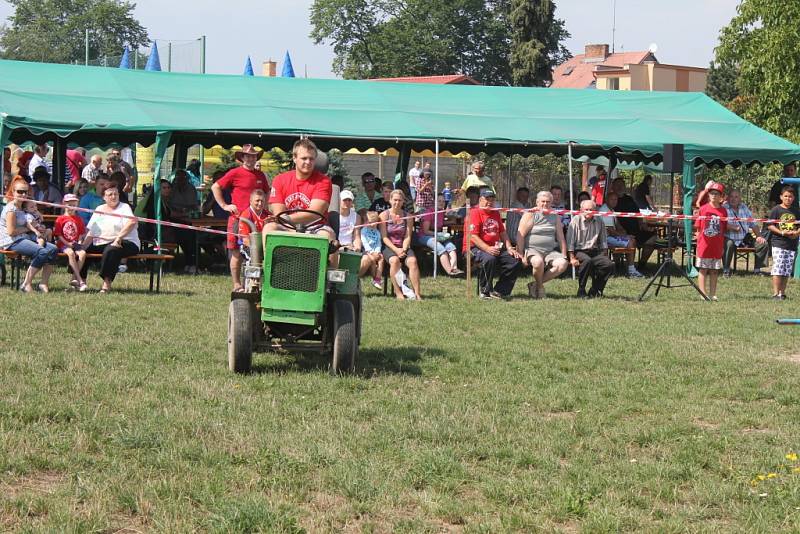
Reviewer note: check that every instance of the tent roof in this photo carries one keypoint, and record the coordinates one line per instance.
(104, 105)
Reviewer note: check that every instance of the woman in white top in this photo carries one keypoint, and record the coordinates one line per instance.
(114, 237)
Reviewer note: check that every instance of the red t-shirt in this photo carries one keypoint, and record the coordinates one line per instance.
(68, 229)
(711, 235)
(242, 182)
(75, 162)
(298, 194)
(486, 224)
(599, 190)
(257, 219)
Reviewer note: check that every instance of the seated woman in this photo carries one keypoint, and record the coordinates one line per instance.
(396, 231)
(112, 236)
(15, 236)
(540, 237)
(444, 249)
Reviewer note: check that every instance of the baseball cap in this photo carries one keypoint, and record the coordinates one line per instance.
(69, 197)
(486, 192)
(716, 186)
(347, 195)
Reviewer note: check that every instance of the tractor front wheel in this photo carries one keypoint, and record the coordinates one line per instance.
(345, 345)
(240, 336)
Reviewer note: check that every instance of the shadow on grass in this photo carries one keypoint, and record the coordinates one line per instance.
(370, 362)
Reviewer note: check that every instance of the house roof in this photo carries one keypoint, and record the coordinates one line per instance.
(459, 79)
(577, 73)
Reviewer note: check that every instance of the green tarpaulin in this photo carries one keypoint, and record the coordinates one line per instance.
(102, 104)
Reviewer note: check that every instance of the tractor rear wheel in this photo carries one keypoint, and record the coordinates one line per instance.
(345, 346)
(240, 336)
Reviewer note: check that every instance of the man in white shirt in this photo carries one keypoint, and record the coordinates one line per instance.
(413, 177)
(39, 153)
(93, 169)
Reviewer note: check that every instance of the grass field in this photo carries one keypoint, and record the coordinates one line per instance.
(118, 413)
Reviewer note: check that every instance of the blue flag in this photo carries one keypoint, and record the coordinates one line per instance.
(288, 70)
(153, 63)
(248, 68)
(125, 62)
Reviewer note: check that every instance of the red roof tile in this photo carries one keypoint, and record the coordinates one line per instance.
(445, 79)
(582, 74)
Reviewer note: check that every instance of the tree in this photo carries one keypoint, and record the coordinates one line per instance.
(54, 31)
(536, 37)
(759, 49)
(387, 38)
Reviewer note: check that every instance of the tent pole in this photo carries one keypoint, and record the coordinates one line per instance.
(435, 208)
(571, 195)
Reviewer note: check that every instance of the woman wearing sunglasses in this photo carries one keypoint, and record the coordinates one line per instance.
(15, 236)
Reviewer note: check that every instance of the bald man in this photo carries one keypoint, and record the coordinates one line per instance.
(587, 244)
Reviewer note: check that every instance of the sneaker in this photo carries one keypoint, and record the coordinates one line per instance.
(497, 296)
(456, 272)
(777, 297)
(714, 298)
(783, 297)
(82, 288)
(633, 273)
(122, 268)
(377, 283)
(485, 296)
(74, 283)
(726, 273)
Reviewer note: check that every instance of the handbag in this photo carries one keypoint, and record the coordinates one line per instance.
(749, 240)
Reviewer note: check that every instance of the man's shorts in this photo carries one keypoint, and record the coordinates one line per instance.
(618, 242)
(232, 241)
(782, 261)
(549, 258)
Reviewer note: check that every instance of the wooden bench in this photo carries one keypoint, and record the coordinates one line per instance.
(154, 261)
(743, 253)
(619, 255)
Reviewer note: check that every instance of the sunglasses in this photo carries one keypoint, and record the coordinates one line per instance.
(22, 191)
(369, 181)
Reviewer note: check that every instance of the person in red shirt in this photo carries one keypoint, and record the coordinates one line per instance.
(598, 184)
(69, 231)
(302, 188)
(256, 214)
(711, 240)
(487, 239)
(241, 181)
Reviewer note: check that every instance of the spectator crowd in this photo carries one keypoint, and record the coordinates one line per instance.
(391, 223)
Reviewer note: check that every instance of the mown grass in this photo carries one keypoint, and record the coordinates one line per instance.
(117, 412)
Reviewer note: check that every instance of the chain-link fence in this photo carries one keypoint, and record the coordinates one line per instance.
(174, 56)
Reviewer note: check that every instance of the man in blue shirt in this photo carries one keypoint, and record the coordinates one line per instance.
(92, 199)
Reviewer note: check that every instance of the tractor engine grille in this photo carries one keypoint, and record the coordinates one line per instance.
(295, 269)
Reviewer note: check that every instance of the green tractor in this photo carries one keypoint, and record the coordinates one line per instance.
(293, 300)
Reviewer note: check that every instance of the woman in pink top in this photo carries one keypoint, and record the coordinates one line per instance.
(396, 231)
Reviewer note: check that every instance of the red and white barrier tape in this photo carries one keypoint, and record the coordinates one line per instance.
(140, 219)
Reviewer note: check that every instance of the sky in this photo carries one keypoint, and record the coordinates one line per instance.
(685, 31)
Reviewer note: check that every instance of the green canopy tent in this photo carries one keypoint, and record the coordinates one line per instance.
(83, 105)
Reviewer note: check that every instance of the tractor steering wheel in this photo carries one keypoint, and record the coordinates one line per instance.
(315, 224)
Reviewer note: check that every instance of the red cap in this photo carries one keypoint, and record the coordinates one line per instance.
(716, 186)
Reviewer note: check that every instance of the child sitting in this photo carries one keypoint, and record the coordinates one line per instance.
(69, 232)
(371, 242)
(35, 223)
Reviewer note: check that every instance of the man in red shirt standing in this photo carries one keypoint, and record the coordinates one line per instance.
(302, 188)
(487, 238)
(241, 181)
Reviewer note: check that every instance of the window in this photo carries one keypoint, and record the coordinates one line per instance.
(613, 84)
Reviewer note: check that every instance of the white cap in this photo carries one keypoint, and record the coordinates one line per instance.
(347, 195)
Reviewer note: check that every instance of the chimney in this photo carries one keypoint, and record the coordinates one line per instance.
(269, 68)
(596, 51)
